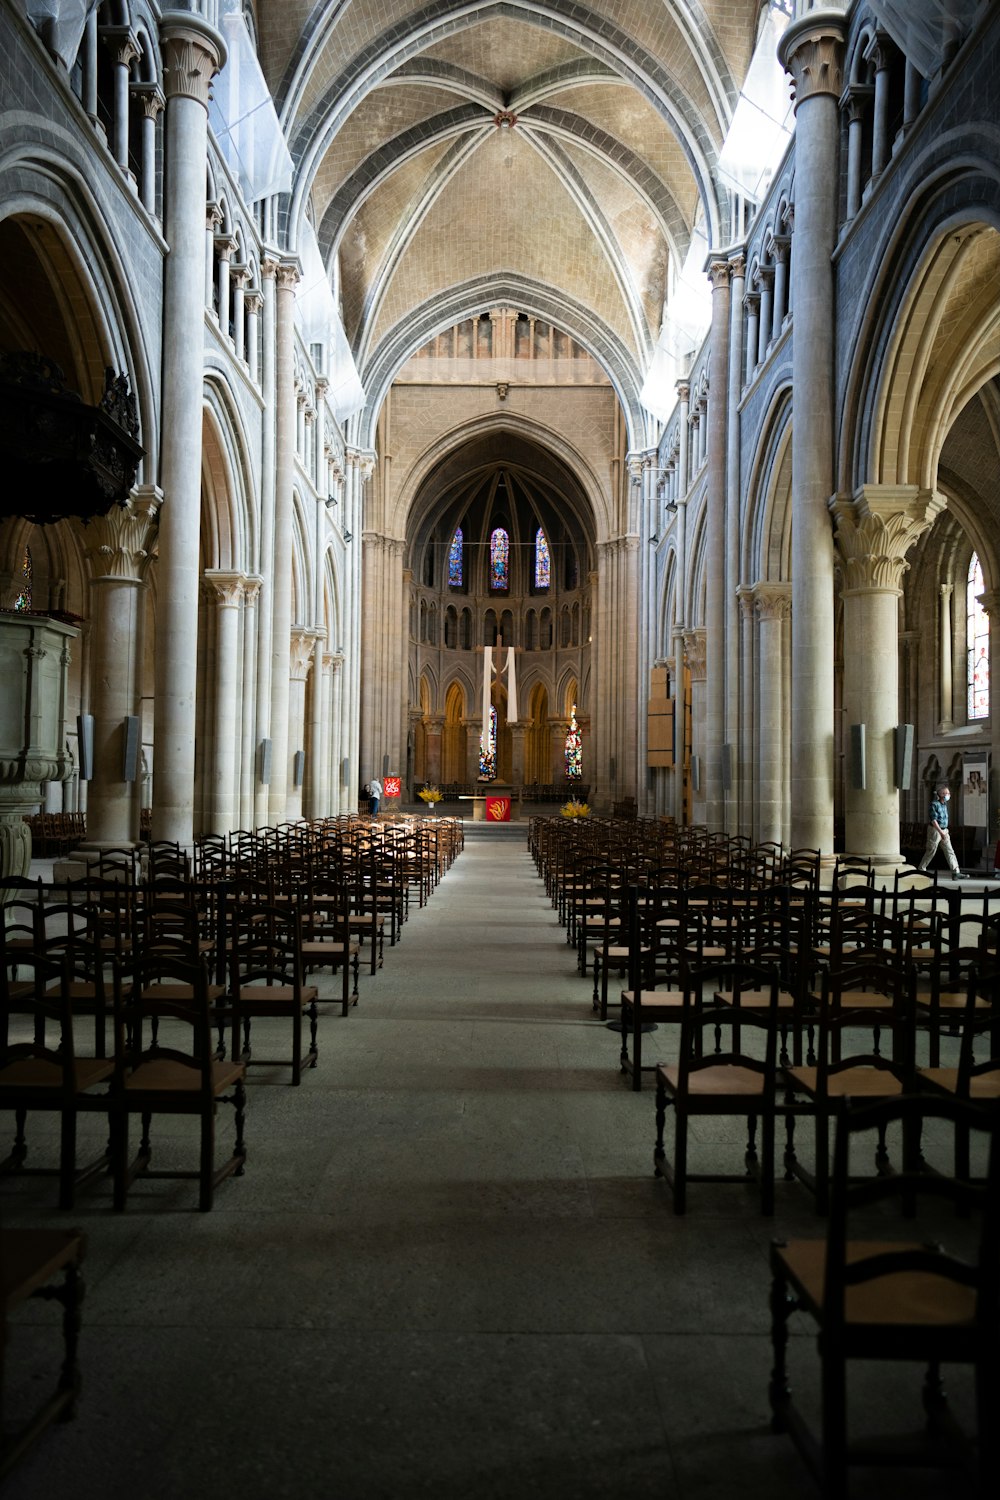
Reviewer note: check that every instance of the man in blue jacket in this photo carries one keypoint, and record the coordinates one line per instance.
(937, 831)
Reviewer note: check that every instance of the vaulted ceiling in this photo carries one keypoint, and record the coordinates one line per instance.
(560, 153)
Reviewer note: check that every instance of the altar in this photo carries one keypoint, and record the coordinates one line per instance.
(494, 804)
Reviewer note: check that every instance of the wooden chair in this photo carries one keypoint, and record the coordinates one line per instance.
(43, 1264)
(874, 996)
(712, 1081)
(266, 980)
(43, 1072)
(154, 1078)
(976, 1077)
(893, 1297)
(325, 937)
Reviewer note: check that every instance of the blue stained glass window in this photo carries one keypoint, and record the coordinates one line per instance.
(455, 560)
(542, 560)
(977, 644)
(574, 749)
(499, 559)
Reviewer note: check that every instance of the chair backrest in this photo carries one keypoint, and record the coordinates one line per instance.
(703, 1020)
(872, 995)
(848, 1267)
(164, 987)
(44, 1018)
(981, 1020)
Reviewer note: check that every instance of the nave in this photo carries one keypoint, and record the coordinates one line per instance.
(448, 1269)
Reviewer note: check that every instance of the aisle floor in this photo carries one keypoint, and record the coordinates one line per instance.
(448, 1270)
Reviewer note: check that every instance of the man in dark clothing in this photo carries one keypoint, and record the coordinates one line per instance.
(937, 831)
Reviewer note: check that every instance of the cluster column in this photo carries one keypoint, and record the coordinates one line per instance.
(715, 599)
(192, 54)
(811, 49)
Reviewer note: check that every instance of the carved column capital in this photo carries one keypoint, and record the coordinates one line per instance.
(226, 588)
(303, 642)
(120, 544)
(876, 529)
(991, 603)
(695, 652)
(772, 601)
(193, 52)
(719, 272)
(150, 96)
(811, 49)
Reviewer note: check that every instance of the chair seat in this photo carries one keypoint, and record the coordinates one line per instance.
(653, 1000)
(30, 1259)
(867, 1083)
(262, 996)
(900, 1298)
(756, 999)
(163, 1075)
(182, 992)
(721, 1078)
(39, 1073)
(981, 1085)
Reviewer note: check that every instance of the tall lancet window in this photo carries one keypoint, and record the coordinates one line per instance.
(456, 575)
(499, 560)
(542, 560)
(23, 600)
(977, 643)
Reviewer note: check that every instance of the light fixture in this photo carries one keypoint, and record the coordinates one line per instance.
(654, 540)
(331, 500)
(505, 119)
(348, 535)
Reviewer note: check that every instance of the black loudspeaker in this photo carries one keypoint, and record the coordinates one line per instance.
(345, 771)
(265, 762)
(611, 770)
(727, 768)
(696, 773)
(85, 745)
(299, 768)
(130, 747)
(904, 757)
(859, 777)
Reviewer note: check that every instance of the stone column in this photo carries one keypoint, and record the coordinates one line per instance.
(269, 383)
(739, 808)
(473, 734)
(782, 251)
(772, 605)
(749, 715)
(752, 304)
(855, 102)
(947, 653)
(225, 244)
(253, 302)
(240, 277)
(694, 659)
(192, 53)
(281, 612)
(227, 590)
(517, 754)
(715, 552)
(120, 545)
(249, 720)
(303, 645)
(124, 48)
(213, 220)
(812, 50)
(881, 54)
(558, 730)
(433, 726)
(343, 798)
(911, 94)
(766, 312)
(875, 530)
(991, 603)
(151, 97)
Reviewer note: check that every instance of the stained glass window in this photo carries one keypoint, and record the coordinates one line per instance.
(488, 752)
(23, 600)
(978, 643)
(456, 576)
(574, 749)
(499, 559)
(542, 560)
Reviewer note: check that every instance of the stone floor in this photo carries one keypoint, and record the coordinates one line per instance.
(448, 1270)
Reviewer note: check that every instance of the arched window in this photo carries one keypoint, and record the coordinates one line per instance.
(574, 749)
(542, 560)
(977, 643)
(23, 600)
(456, 575)
(499, 559)
(488, 752)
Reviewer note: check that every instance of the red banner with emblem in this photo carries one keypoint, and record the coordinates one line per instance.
(498, 809)
(392, 786)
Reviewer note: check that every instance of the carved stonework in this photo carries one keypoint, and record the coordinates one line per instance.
(719, 272)
(251, 589)
(192, 55)
(288, 276)
(303, 643)
(991, 603)
(813, 52)
(772, 601)
(227, 588)
(875, 531)
(121, 544)
(695, 650)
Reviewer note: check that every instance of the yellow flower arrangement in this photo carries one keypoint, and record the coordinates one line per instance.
(430, 795)
(575, 809)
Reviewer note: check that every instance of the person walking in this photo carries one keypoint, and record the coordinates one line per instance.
(937, 831)
(375, 795)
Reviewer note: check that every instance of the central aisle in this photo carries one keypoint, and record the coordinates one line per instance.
(448, 1271)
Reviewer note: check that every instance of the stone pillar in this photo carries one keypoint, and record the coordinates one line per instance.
(991, 603)
(766, 312)
(694, 659)
(433, 727)
(782, 251)
(752, 304)
(715, 552)
(558, 730)
(749, 715)
(739, 811)
(120, 545)
(90, 66)
(224, 247)
(249, 720)
(875, 530)
(192, 53)
(812, 50)
(339, 744)
(269, 276)
(213, 220)
(301, 657)
(227, 590)
(517, 754)
(772, 605)
(240, 277)
(911, 94)
(881, 54)
(281, 612)
(473, 735)
(151, 97)
(124, 48)
(947, 654)
(856, 101)
(253, 302)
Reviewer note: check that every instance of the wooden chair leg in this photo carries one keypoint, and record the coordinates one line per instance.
(834, 1398)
